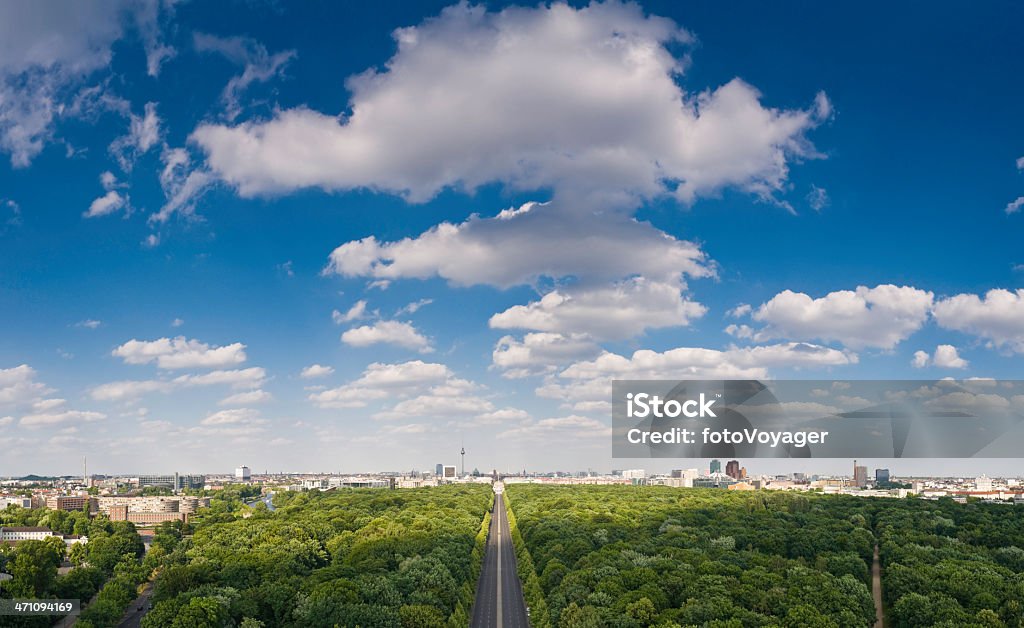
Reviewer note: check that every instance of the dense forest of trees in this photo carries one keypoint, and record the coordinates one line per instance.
(616, 556)
(109, 564)
(949, 564)
(366, 558)
(656, 556)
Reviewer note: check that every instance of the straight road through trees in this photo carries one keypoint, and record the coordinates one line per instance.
(499, 594)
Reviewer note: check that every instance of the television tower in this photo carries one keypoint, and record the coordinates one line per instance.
(463, 460)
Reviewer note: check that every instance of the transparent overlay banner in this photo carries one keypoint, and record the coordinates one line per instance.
(818, 418)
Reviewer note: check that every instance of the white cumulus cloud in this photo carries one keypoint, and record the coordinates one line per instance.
(584, 101)
(180, 353)
(622, 310)
(865, 317)
(998, 316)
(315, 370)
(945, 356)
(387, 332)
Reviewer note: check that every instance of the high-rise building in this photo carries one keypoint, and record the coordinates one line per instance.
(716, 466)
(860, 475)
(732, 469)
(242, 473)
(881, 476)
(449, 472)
(983, 483)
(439, 469)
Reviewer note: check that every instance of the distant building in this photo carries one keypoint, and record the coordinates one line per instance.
(713, 480)
(174, 482)
(983, 483)
(732, 469)
(13, 500)
(881, 476)
(439, 470)
(449, 471)
(860, 475)
(71, 502)
(243, 473)
(634, 474)
(17, 533)
(716, 466)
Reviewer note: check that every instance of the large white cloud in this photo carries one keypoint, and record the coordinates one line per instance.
(618, 311)
(866, 317)
(998, 316)
(397, 333)
(584, 102)
(522, 245)
(180, 353)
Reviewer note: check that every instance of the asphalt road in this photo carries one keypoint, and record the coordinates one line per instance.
(137, 610)
(499, 594)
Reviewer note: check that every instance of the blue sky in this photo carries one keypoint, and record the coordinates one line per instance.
(200, 201)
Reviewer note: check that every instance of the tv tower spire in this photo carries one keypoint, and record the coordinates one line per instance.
(463, 459)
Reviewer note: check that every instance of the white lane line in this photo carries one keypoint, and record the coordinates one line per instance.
(499, 569)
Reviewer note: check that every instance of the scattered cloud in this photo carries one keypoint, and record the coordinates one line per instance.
(412, 308)
(818, 198)
(177, 322)
(48, 53)
(623, 310)
(355, 312)
(381, 381)
(18, 386)
(540, 353)
(250, 397)
(143, 134)
(180, 353)
(946, 356)
(387, 332)
(131, 389)
(259, 66)
(111, 202)
(1014, 206)
(590, 380)
(553, 429)
(89, 323)
(315, 370)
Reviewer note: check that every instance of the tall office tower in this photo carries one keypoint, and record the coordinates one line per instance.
(716, 466)
(732, 469)
(860, 475)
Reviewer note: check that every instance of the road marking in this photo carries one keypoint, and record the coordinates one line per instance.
(499, 567)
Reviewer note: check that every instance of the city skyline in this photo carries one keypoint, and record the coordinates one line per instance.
(342, 237)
